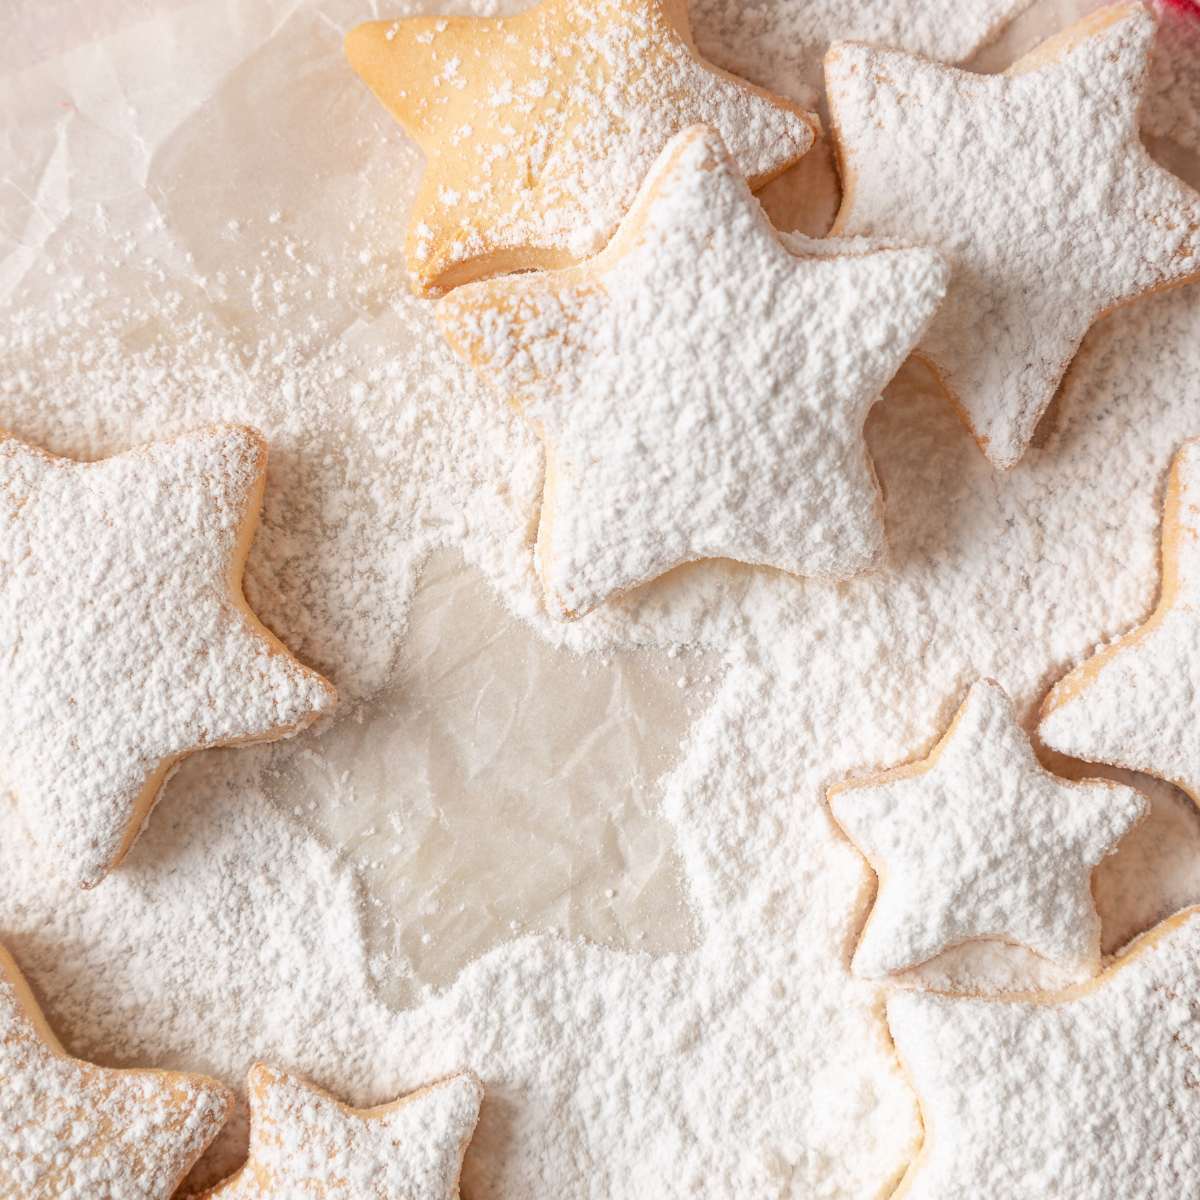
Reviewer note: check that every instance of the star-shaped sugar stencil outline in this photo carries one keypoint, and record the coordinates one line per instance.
(1089, 1093)
(1133, 703)
(1012, 233)
(554, 341)
(968, 849)
(305, 1141)
(449, 82)
(67, 530)
(108, 1131)
(592, 827)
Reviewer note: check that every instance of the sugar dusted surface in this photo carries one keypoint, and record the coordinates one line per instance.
(982, 842)
(305, 1144)
(1172, 106)
(539, 137)
(701, 387)
(1035, 187)
(780, 43)
(1134, 705)
(243, 929)
(72, 1131)
(1090, 1097)
(127, 644)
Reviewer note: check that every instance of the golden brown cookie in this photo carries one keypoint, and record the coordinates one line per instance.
(69, 1129)
(538, 129)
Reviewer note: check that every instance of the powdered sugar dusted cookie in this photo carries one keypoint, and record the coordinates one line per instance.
(979, 841)
(127, 642)
(1090, 1095)
(539, 128)
(305, 1145)
(1172, 106)
(701, 385)
(1136, 704)
(781, 43)
(70, 1129)
(1035, 186)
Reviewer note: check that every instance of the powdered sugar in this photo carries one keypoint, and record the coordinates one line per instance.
(539, 129)
(1091, 1096)
(1172, 105)
(752, 1064)
(549, 1024)
(980, 841)
(73, 1131)
(128, 643)
(1037, 189)
(701, 387)
(779, 43)
(303, 1143)
(1134, 704)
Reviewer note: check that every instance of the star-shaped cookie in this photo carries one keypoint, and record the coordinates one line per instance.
(1136, 704)
(305, 1145)
(701, 385)
(979, 841)
(1172, 105)
(539, 128)
(1036, 187)
(72, 1129)
(1091, 1095)
(781, 43)
(125, 639)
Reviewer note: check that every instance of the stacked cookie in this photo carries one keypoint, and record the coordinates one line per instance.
(701, 383)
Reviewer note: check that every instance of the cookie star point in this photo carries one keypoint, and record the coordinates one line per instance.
(1089, 1094)
(71, 1128)
(303, 1142)
(129, 642)
(395, 60)
(701, 385)
(980, 841)
(1134, 703)
(1038, 189)
(538, 128)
